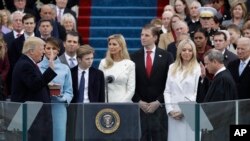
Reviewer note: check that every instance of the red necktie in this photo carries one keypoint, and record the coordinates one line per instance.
(148, 63)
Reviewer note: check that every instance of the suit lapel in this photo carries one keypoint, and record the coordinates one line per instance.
(75, 78)
(246, 69)
(63, 60)
(141, 63)
(156, 61)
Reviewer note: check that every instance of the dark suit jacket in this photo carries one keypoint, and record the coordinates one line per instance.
(95, 86)
(172, 49)
(151, 89)
(221, 114)
(28, 83)
(15, 50)
(63, 59)
(242, 81)
(229, 57)
(222, 88)
(57, 32)
(8, 38)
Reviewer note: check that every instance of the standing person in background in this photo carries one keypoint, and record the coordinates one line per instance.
(29, 84)
(235, 34)
(6, 21)
(200, 40)
(181, 7)
(118, 67)
(240, 70)
(4, 68)
(152, 65)
(238, 13)
(182, 84)
(221, 43)
(194, 22)
(71, 44)
(69, 23)
(64, 80)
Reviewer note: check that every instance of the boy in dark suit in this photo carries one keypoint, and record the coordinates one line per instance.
(88, 87)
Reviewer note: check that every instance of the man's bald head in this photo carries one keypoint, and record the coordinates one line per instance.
(47, 12)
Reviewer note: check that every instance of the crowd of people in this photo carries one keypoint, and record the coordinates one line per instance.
(196, 51)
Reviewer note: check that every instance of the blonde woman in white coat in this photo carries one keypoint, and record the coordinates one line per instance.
(181, 85)
(117, 64)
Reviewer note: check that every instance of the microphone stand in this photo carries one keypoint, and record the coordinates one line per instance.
(107, 92)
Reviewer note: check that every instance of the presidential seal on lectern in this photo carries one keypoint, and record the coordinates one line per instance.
(107, 121)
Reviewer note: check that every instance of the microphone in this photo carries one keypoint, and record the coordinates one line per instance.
(110, 79)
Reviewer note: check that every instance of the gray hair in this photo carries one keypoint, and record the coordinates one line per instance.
(16, 13)
(215, 55)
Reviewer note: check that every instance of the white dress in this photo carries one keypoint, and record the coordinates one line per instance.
(179, 90)
(122, 89)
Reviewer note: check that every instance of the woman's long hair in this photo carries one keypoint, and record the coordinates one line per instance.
(178, 64)
(123, 53)
(2, 48)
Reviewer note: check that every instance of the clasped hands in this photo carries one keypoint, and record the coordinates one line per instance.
(177, 115)
(149, 107)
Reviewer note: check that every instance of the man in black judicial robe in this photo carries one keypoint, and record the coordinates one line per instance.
(221, 88)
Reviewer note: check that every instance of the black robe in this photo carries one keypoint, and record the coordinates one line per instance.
(221, 114)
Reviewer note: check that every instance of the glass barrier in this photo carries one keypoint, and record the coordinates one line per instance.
(11, 124)
(121, 122)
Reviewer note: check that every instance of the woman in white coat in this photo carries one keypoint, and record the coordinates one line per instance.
(118, 66)
(181, 85)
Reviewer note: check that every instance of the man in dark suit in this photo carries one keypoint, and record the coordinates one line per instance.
(240, 70)
(221, 44)
(45, 28)
(222, 88)
(71, 44)
(152, 65)
(20, 5)
(47, 12)
(15, 51)
(16, 19)
(15, 46)
(62, 9)
(29, 84)
(93, 91)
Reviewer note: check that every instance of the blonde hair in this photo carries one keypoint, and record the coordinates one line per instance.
(3, 49)
(243, 6)
(68, 17)
(178, 64)
(32, 43)
(7, 12)
(123, 54)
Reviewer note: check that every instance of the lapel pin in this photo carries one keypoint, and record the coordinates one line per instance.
(160, 55)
